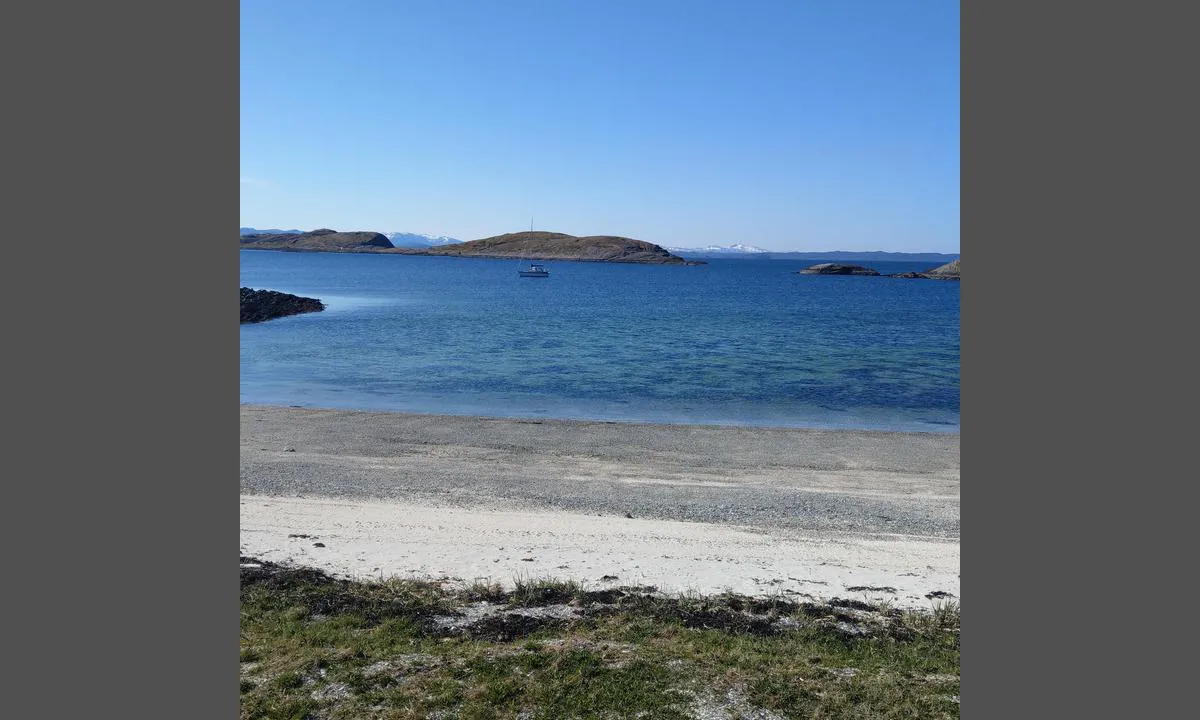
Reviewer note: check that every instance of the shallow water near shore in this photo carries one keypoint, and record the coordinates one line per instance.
(733, 342)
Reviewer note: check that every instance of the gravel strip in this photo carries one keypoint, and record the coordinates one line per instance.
(861, 482)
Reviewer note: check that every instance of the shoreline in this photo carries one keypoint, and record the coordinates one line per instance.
(687, 508)
(932, 427)
(420, 252)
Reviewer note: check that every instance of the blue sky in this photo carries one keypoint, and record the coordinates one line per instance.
(788, 125)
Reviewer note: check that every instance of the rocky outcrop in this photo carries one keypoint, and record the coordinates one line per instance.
(323, 240)
(260, 305)
(836, 269)
(558, 246)
(949, 271)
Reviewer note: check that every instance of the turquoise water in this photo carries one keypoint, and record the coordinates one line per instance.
(733, 342)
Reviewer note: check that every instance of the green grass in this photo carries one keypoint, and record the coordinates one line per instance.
(314, 647)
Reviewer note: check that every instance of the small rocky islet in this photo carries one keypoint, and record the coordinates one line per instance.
(836, 269)
(949, 271)
(263, 305)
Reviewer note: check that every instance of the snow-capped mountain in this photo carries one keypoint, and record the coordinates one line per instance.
(719, 249)
(400, 239)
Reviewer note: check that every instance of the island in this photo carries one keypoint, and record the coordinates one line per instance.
(540, 245)
(536, 245)
(835, 269)
(261, 305)
(323, 240)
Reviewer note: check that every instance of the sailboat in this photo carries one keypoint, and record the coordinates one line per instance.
(534, 270)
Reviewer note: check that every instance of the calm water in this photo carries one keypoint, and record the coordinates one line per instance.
(734, 342)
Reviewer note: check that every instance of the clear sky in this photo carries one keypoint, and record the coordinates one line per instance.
(788, 125)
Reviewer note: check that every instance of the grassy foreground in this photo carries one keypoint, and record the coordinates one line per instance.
(316, 647)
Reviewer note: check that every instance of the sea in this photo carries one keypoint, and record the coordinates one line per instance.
(735, 342)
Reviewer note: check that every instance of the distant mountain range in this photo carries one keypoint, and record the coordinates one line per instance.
(255, 231)
(868, 255)
(416, 240)
(719, 250)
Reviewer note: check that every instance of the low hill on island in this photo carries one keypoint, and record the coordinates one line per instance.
(318, 240)
(540, 245)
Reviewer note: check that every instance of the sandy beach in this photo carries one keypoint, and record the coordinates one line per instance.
(761, 511)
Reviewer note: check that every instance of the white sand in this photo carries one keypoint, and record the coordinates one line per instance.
(388, 538)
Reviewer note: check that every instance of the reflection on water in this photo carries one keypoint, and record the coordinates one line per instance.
(344, 303)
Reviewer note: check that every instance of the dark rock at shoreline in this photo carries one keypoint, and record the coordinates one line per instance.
(260, 305)
(836, 269)
(318, 240)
